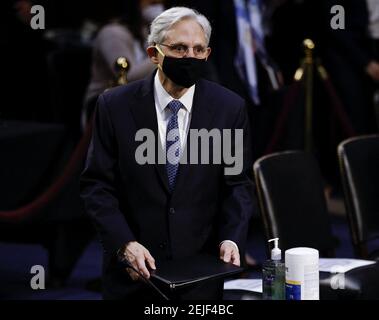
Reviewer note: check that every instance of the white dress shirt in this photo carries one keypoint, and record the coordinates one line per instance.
(162, 98)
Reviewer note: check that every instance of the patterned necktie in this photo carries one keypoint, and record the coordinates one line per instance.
(173, 143)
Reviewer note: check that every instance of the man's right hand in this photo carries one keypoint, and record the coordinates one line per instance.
(137, 255)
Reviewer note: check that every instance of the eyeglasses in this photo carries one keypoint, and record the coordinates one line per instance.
(180, 50)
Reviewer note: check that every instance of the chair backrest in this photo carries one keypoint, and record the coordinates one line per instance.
(359, 166)
(292, 202)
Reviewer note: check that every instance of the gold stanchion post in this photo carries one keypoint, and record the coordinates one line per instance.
(122, 66)
(308, 66)
(306, 73)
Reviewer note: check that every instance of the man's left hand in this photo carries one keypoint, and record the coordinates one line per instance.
(230, 253)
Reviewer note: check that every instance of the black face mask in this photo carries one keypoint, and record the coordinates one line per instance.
(183, 71)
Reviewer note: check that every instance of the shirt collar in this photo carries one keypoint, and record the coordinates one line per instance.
(163, 98)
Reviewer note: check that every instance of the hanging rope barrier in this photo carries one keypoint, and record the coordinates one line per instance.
(35, 206)
(336, 102)
(29, 210)
(305, 74)
(288, 102)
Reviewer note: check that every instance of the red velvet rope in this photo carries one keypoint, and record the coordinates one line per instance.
(338, 108)
(289, 101)
(35, 206)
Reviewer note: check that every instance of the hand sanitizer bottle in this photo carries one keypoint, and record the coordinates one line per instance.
(274, 275)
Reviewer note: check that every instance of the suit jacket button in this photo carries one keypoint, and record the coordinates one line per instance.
(172, 210)
(162, 245)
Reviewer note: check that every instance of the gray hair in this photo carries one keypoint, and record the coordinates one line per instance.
(168, 18)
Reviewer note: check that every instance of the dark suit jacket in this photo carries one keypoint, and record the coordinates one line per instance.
(352, 43)
(128, 201)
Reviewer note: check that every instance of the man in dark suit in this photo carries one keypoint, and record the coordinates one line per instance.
(350, 60)
(152, 212)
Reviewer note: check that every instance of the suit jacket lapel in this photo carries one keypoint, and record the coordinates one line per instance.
(202, 115)
(202, 111)
(145, 116)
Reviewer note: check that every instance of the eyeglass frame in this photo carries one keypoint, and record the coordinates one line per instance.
(186, 51)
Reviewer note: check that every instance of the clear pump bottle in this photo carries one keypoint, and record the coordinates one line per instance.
(274, 275)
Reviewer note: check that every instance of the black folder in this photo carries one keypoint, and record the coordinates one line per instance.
(178, 273)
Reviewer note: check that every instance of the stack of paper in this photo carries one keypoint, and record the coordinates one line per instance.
(337, 265)
(253, 285)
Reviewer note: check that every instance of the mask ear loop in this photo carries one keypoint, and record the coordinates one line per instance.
(206, 59)
(161, 52)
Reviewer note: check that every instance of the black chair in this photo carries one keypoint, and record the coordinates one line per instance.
(292, 203)
(293, 206)
(359, 166)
